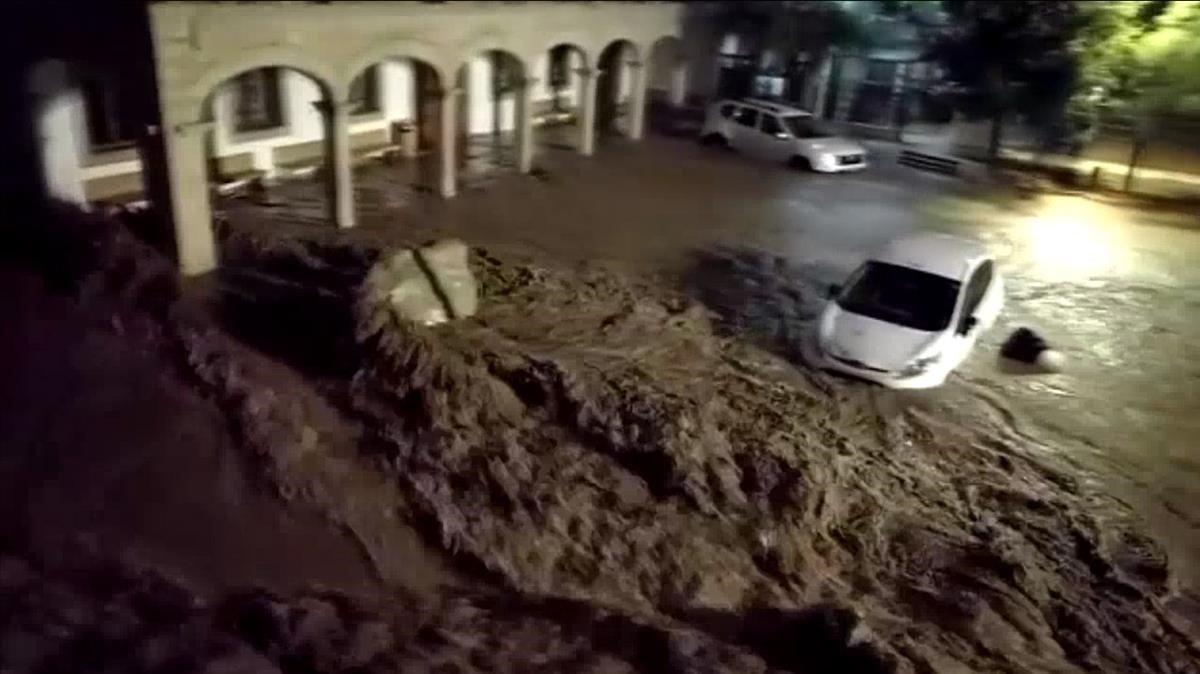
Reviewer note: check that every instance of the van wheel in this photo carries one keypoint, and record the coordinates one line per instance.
(714, 140)
(800, 162)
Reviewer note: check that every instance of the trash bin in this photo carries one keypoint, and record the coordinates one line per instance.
(405, 132)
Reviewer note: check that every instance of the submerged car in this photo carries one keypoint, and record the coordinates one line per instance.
(911, 313)
(780, 133)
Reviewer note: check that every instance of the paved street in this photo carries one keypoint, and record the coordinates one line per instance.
(1118, 291)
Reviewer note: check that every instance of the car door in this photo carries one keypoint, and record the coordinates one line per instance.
(774, 140)
(745, 131)
(968, 322)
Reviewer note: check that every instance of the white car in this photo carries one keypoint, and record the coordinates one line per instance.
(910, 314)
(780, 133)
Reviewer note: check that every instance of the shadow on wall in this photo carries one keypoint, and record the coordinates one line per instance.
(760, 296)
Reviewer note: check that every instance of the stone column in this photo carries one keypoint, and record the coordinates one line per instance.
(187, 175)
(587, 111)
(524, 123)
(449, 142)
(678, 93)
(338, 159)
(637, 100)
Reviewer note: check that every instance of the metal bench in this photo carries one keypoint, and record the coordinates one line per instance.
(929, 162)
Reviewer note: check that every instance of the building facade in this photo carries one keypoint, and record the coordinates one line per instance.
(796, 53)
(245, 91)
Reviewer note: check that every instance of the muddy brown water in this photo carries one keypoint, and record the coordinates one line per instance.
(1117, 290)
(107, 446)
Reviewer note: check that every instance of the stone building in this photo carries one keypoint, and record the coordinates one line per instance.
(170, 101)
(875, 82)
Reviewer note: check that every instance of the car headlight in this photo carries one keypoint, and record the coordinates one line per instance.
(920, 365)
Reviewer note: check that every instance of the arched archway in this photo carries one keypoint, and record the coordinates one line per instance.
(618, 72)
(558, 97)
(493, 114)
(667, 81)
(667, 70)
(395, 105)
(267, 124)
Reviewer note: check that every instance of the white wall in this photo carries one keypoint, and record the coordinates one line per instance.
(58, 107)
(398, 89)
(301, 97)
(482, 108)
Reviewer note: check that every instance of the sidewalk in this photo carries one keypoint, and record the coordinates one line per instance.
(1155, 182)
(1148, 182)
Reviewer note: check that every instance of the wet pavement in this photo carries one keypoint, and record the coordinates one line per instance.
(1116, 290)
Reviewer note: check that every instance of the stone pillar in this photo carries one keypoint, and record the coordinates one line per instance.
(449, 142)
(587, 111)
(637, 100)
(341, 178)
(524, 123)
(187, 175)
(679, 78)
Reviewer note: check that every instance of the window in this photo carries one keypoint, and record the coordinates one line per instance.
(109, 124)
(364, 92)
(730, 44)
(256, 104)
(727, 110)
(506, 74)
(771, 126)
(560, 66)
(881, 71)
(803, 126)
(900, 295)
(748, 117)
(768, 86)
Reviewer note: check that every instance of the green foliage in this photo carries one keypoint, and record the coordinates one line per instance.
(1011, 56)
(1140, 57)
(1059, 63)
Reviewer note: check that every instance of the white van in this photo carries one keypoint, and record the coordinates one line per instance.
(780, 133)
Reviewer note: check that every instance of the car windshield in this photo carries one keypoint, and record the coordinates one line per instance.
(900, 295)
(803, 126)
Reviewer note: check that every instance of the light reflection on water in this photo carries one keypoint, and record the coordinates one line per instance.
(1119, 299)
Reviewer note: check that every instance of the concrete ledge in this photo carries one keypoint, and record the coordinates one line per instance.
(234, 164)
(114, 187)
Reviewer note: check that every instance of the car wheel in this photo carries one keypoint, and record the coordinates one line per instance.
(714, 140)
(800, 162)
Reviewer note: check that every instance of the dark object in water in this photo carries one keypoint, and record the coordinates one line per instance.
(1023, 345)
(1026, 346)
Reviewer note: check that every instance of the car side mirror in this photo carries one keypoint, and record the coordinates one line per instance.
(968, 324)
(834, 289)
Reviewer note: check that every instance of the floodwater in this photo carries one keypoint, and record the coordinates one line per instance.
(1116, 290)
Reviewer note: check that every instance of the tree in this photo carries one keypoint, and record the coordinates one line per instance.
(1009, 57)
(1139, 60)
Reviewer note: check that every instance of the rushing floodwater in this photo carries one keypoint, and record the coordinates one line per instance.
(1116, 290)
